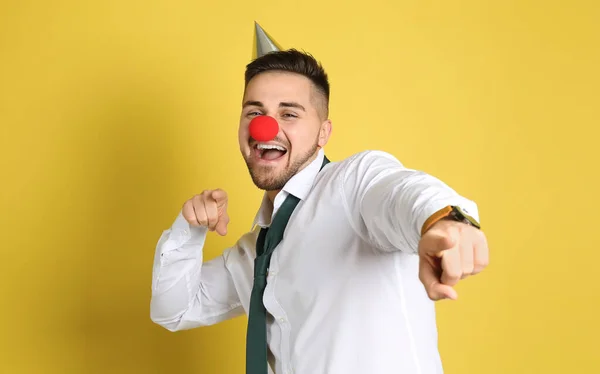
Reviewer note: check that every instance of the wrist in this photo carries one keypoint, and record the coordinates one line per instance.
(450, 212)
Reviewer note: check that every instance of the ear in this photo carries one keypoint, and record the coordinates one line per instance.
(324, 133)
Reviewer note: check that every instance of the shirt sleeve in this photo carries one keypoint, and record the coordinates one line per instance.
(187, 292)
(388, 203)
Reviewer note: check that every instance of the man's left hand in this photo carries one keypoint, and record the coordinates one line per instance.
(450, 251)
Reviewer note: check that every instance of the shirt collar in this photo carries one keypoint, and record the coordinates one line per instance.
(299, 185)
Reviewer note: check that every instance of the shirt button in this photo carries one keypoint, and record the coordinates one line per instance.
(281, 319)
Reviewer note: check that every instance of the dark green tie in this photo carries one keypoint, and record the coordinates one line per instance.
(268, 239)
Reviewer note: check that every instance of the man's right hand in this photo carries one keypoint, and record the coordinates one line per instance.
(209, 209)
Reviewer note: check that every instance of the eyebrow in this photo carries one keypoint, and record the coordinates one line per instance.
(252, 103)
(291, 105)
(285, 104)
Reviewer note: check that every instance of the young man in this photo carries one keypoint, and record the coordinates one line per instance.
(368, 246)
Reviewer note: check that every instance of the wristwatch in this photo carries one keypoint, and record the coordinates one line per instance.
(450, 212)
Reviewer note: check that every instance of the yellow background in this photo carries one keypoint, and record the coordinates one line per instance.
(113, 113)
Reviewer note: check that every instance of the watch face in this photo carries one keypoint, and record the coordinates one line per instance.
(460, 215)
(455, 215)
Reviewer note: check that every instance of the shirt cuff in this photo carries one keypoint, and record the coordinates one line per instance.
(182, 232)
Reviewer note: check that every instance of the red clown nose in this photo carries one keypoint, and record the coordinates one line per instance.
(263, 128)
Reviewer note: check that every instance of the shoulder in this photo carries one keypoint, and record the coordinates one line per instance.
(369, 156)
(367, 162)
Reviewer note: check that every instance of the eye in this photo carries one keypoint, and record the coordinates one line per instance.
(254, 114)
(290, 115)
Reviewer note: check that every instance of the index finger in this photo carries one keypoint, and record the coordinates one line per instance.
(219, 196)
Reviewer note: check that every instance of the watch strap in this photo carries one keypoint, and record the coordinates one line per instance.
(450, 212)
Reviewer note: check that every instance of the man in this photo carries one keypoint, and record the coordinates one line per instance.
(366, 249)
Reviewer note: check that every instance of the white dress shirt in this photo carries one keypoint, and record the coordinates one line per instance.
(343, 294)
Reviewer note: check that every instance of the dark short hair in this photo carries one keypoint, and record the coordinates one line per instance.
(292, 61)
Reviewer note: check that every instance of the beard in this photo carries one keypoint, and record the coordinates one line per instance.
(265, 177)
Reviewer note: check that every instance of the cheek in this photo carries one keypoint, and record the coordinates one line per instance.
(243, 131)
(301, 141)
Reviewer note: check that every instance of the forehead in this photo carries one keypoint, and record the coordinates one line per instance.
(278, 86)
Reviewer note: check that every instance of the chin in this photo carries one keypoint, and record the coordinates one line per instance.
(266, 178)
(272, 175)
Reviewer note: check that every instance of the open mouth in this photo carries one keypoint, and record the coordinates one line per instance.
(269, 152)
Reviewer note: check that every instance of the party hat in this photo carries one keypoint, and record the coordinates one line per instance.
(264, 44)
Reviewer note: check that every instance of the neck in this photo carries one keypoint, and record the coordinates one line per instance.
(271, 195)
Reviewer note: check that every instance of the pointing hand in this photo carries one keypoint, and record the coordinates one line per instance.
(450, 251)
(208, 209)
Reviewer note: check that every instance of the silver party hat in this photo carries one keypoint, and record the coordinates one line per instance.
(264, 44)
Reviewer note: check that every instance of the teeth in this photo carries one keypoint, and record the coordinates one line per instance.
(270, 146)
